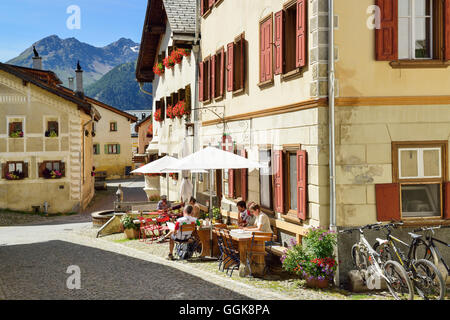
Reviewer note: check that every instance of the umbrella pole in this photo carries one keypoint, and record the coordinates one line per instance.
(210, 208)
(167, 184)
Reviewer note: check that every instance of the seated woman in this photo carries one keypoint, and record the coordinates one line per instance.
(163, 204)
(245, 219)
(194, 204)
(262, 220)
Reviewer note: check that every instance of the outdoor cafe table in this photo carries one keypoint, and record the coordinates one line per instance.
(242, 242)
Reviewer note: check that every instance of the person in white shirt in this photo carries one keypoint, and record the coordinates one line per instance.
(262, 220)
(186, 190)
(177, 234)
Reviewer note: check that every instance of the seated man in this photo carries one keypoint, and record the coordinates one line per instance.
(194, 204)
(245, 218)
(163, 204)
(177, 234)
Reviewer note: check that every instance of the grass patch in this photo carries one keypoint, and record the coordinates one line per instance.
(122, 240)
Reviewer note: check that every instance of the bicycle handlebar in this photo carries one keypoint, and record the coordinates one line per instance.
(429, 228)
(369, 226)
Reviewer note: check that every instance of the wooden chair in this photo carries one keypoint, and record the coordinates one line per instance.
(220, 226)
(257, 248)
(223, 258)
(186, 239)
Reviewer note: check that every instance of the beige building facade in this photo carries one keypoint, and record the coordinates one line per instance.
(44, 130)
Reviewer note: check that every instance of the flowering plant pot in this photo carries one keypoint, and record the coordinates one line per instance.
(176, 56)
(15, 175)
(181, 109)
(169, 62)
(157, 116)
(185, 52)
(16, 134)
(317, 283)
(169, 112)
(158, 68)
(51, 174)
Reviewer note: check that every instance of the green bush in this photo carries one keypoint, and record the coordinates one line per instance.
(127, 222)
(217, 214)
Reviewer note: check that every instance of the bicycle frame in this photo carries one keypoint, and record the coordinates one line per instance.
(430, 242)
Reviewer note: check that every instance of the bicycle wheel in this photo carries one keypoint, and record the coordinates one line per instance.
(359, 258)
(423, 251)
(399, 285)
(384, 251)
(428, 280)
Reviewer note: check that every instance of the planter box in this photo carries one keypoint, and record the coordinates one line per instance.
(131, 233)
(320, 284)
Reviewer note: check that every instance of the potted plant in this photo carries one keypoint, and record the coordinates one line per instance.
(16, 134)
(158, 68)
(169, 62)
(14, 175)
(217, 215)
(129, 227)
(169, 112)
(51, 174)
(176, 56)
(157, 116)
(185, 52)
(313, 260)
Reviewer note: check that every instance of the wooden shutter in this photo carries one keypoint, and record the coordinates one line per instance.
(231, 183)
(118, 148)
(447, 28)
(188, 97)
(11, 128)
(266, 50)
(25, 169)
(202, 7)
(213, 76)
(387, 197)
(302, 174)
(244, 178)
(279, 41)
(200, 81)
(41, 168)
(4, 170)
(242, 58)
(300, 52)
(278, 180)
(222, 73)
(211, 3)
(230, 66)
(62, 168)
(386, 37)
(446, 195)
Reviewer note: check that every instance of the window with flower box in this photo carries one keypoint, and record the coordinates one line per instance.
(15, 129)
(52, 169)
(15, 170)
(52, 129)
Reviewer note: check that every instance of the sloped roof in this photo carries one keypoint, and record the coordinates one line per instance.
(181, 15)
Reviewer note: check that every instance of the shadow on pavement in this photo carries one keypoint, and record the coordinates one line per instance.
(38, 271)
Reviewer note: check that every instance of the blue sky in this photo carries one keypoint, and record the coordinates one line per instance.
(23, 22)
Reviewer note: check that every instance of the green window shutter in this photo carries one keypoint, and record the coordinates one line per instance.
(106, 149)
(118, 148)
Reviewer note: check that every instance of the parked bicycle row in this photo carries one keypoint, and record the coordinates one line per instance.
(404, 274)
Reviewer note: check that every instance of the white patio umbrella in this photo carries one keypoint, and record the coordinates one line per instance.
(211, 158)
(157, 166)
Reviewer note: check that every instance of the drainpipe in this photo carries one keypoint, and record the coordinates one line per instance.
(331, 105)
(196, 51)
(141, 87)
(84, 151)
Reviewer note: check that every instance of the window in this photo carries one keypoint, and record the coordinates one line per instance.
(14, 170)
(52, 129)
(239, 64)
(16, 129)
(265, 50)
(415, 30)
(420, 173)
(207, 79)
(112, 148)
(52, 169)
(292, 181)
(290, 38)
(113, 126)
(96, 148)
(415, 25)
(265, 180)
(205, 6)
(219, 74)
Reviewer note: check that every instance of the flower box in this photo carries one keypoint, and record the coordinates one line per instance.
(16, 134)
(52, 174)
(157, 116)
(14, 175)
(169, 62)
(159, 68)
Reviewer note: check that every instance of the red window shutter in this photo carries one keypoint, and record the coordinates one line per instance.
(242, 57)
(300, 52)
(211, 3)
(230, 65)
(222, 73)
(302, 186)
(279, 43)
(244, 178)
(278, 181)
(200, 81)
(447, 29)
(386, 37)
(213, 76)
(387, 197)
(266, 51)
(446, 200)
(202, 7)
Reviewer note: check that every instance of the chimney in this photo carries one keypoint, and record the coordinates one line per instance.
(37, 61)
(71, 87)
(79, 79)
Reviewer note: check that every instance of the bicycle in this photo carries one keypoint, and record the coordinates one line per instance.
(425, 276)
(371, 268)
(427, 249)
